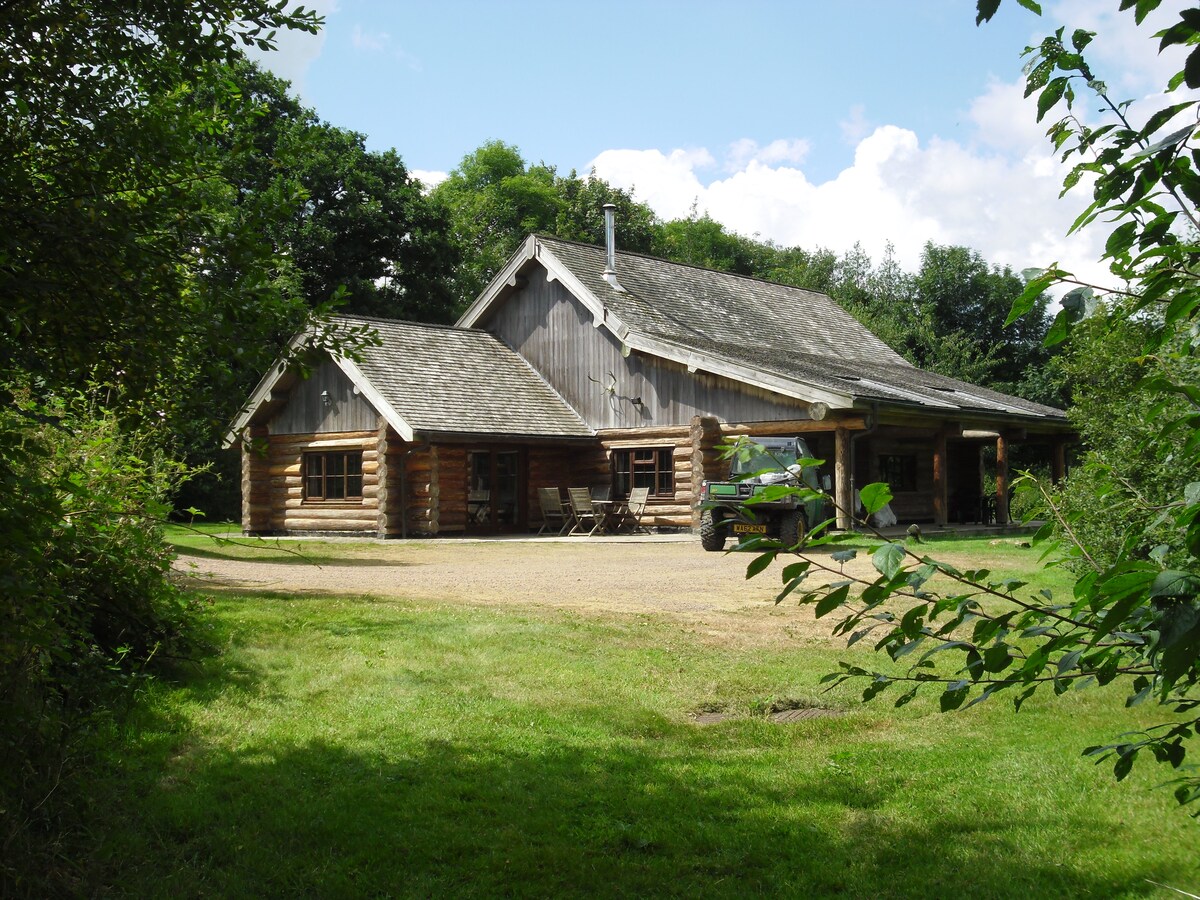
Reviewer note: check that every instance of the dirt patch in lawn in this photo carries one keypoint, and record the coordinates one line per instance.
(707, 593)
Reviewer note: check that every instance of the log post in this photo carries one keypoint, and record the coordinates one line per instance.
(1001, 480)
(256, 481)
(385, 496)
(705, 436)
(940, 487)
(843, 487)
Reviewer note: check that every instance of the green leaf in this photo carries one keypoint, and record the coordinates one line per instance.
(1173, 583)
(796, 569)
(954, 695)
(888, 559)
(759, 563)
(875, 497)
(985, 9)
(832, 600)
(843, 556)
(1051, 94)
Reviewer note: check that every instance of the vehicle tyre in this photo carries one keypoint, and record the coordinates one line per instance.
(792, 527)
(712, 535)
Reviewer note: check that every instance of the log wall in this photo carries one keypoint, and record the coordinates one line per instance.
(287, 510)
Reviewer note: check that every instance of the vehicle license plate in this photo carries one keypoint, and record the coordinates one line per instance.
(746, 528)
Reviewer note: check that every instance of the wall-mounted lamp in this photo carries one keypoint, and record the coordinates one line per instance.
(638, 404)
(326, 400)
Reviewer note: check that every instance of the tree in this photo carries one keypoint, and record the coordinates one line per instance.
(363, 232)
(1134, 614)
(581, 216)
(137, 285)
(493, 201)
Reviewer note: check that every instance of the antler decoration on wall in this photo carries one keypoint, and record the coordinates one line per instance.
(610, 388)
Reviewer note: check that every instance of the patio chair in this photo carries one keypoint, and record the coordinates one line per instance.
(555, 513)
(478, 506)
(635, 508)
(583, 511)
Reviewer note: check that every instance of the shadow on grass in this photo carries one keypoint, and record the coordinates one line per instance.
(269, 555)
(446, 818)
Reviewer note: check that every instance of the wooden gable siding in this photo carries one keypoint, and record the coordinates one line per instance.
(544, 323)
(307, 413)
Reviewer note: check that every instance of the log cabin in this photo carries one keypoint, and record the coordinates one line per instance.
(583, 366)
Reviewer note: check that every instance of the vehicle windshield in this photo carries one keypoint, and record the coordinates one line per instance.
(776, 459)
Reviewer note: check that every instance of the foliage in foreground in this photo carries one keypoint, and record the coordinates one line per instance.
(87, 604)
(1134, 613)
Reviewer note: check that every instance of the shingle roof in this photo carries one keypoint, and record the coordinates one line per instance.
(460, 380)
(794, 334)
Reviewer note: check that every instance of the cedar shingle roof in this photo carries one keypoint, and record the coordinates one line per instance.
(460, 380)
(794, 334)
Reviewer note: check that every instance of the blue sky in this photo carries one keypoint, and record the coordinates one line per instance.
(809, 123)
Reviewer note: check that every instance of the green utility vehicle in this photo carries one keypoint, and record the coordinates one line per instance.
(786, 519)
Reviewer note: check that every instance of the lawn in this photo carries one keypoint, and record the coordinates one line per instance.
(355, 746)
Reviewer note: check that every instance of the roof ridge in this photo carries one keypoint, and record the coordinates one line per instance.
(686, 265)
(387, 321)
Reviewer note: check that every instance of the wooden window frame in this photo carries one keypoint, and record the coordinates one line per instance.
(899, 470)
(350, 477)
(658, 462)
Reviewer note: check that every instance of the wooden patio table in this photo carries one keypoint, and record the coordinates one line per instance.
(611, 513)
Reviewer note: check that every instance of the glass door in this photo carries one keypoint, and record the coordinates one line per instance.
(494, 490)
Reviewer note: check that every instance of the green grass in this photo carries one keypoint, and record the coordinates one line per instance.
(358, 747)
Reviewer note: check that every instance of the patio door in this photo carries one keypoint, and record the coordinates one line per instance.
(495, 490)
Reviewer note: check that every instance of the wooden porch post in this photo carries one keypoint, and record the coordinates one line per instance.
(1059, 461)
(842, 488)
(705, 436)
(385, 496)
(1001, 480)
(940, 484)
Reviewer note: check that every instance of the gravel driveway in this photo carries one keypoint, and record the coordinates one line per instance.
(668, 578)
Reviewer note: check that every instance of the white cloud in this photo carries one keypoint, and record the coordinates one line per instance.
(429, 179)
(855, 126)
(668, 182)
(296, 50)
(365, 41)
(897, 191)
(381, 42)
(995, 191)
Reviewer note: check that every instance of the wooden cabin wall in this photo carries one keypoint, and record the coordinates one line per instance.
(909, 506)
(288, 510)
(550, 328)
(306, 411)
(451, 499)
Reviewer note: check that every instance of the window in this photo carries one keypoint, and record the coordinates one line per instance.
(649, 468)
(333, 476)
(899, 471)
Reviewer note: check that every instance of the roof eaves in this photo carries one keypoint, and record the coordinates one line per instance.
(263, 390)
(376, 399)
(695, 360)
(601, 314)
(506, 277)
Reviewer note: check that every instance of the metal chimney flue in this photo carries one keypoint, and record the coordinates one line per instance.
(610, 246)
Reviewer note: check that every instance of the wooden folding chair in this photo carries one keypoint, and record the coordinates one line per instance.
(635, 508)
(555, 513)
(583, 511)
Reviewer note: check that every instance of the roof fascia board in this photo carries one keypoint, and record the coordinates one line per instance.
(601, 315)
(367, 390)
(263, 390)
(695, 361)
(506, 277)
